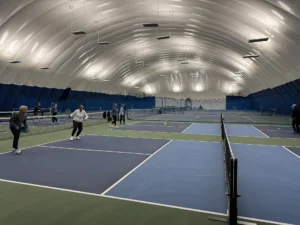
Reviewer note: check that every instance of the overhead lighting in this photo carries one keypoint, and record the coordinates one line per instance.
(103, 43)
(150, 25)
(163, 37)
(136, 87)
(105, 80)
(163, 75)
(185, 63)
(44, 68)
(238, 72)
(258, 40)
(250, 56)
(179, 60)
(146, 65)
(14, 61)
(79, 32)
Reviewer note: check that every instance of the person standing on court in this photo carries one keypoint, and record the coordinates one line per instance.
(122, 115)
(79, 115)
(295, 119)
(54, 112)
(114, 115)
(18, 122)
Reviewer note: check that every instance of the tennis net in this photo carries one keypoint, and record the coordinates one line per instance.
(231, 176)
(46, 124)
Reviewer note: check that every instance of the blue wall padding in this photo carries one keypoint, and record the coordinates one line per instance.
(280, 98)
(12, 96)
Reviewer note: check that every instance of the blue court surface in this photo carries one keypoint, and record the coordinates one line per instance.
(186, 174)
(204, 128)
(156, 127)
(244, 131)
(278, 131)
(268, 180)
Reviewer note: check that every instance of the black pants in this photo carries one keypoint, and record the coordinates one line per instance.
(295, 125)
(54, 119)
(16, 134)
(77, 125)
(122, 118)
(114, 120)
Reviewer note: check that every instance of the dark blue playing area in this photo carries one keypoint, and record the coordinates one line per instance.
(186, 174)
(156, 127)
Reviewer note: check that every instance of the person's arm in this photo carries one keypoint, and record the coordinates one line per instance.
(85, 115)
(25, 123)
(12, 121)
(71, 115)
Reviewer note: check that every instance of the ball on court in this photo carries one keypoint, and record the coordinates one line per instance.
(278, 128)
(165, 123)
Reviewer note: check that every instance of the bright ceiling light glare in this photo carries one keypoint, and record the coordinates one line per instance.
(278, 15)
(4, 36)
(284, 6)
(136, 87)
(198, 88)
(176, 88)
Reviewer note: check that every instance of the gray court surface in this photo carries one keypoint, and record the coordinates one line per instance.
(295, 151)
(278, 131)
(156, 127)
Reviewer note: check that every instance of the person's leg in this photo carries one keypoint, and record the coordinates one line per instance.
(297, 126)
(80, 128)
(124, 118)
(16, 134)
(53, 118)
(115, 120)
(75, 126)
(121, 118)
(294, 126)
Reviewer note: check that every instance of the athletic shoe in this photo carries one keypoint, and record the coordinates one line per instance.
(13, 150)
(77, 138)
(18, 152)
(116, 127)
(71, 138)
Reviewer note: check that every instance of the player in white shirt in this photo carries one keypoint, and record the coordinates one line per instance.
(79, 115)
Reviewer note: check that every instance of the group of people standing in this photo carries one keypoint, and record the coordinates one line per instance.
(18, 121)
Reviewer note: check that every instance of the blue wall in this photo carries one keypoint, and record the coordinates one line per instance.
(281, 98)
(12, 96)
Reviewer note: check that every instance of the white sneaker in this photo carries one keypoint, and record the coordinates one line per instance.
(13, 150)
(77, 138)
(71, 138)
(18, 152)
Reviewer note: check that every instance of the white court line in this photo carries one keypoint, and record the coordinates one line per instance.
(260, 131)
(91, 150)
(186, 128)
(37, 145)
(249, 119)
(291, 152)
(197, 117)
(151, 138)
(130, 172)
(136, 201)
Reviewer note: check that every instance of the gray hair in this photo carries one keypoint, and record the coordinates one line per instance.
(23, 107)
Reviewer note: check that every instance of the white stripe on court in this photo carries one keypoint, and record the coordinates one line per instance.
(136, 201)
(94, 150)
(186, 128)
(246, 117)
(51, 142)
(130, 172)
(260, 131)
(291, 152)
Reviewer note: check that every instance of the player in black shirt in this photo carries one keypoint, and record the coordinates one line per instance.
(295, 119)
(18, 123)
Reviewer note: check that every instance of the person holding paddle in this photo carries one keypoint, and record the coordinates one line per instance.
(18, 124)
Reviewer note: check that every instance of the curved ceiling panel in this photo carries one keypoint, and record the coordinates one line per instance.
(200, 54)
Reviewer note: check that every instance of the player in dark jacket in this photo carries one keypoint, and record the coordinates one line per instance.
(18, 123)
(295, 119)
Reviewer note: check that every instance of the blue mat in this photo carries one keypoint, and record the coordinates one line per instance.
(184, 173)
(268, 180)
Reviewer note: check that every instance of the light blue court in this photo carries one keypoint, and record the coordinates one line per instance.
(243, 131)
(269, 182)
(204, 128)
(184, 173)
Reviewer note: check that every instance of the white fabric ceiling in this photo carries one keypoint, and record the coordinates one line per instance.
(211, 34)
